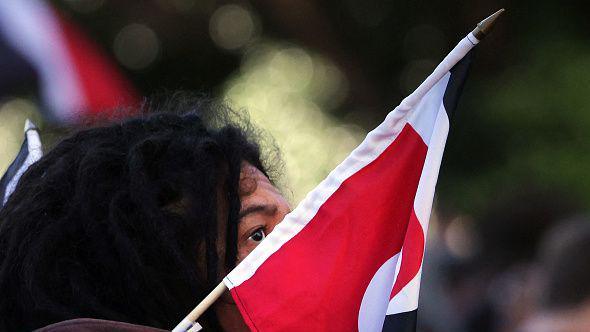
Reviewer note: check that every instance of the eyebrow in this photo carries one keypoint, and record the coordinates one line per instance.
(258, 208)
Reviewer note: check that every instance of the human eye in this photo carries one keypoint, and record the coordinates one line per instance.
(258, 235)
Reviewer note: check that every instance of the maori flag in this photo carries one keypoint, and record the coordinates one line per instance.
(41, 49)
(349, 257)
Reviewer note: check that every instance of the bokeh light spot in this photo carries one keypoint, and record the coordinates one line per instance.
(232, 27)
(291, 68)
(136, 46)
(459, 237)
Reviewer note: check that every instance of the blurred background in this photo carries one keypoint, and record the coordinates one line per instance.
(318, 75)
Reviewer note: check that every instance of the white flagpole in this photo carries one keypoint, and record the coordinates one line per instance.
(189, 323)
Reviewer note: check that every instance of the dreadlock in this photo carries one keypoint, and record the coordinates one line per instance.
(123, 221)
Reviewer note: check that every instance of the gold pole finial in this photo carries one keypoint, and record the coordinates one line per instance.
(484, 27)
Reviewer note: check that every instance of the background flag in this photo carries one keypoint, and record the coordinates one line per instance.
(31, 150)
(350, 255)
(40, 48)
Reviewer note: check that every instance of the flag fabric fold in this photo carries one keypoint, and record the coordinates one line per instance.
(31, 150)
(349, 257)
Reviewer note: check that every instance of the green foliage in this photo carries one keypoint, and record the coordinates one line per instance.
(529, 125)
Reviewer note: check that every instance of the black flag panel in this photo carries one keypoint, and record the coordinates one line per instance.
(402, 322)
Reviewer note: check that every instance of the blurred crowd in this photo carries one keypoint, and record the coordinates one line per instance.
(523, 266)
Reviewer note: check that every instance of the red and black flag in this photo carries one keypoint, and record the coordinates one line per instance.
(349, 257)
(41, 50)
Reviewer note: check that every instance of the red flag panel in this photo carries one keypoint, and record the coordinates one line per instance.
(412, 254)
(325, 268)
(102, 86)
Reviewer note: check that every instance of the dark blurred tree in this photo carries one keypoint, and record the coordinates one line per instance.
(524, 115)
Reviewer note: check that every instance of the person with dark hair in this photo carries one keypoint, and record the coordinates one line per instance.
(135, 222)
(564, 271)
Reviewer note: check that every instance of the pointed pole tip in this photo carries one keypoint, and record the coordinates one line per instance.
(29, 125)
(484, 27)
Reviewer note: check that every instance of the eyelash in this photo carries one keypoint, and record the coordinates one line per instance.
(260, 229)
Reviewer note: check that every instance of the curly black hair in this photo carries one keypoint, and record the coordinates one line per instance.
(122, 221)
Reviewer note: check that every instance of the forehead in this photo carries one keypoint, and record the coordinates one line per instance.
(253, 180)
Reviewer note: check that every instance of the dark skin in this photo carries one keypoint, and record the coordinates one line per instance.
(263, 207)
